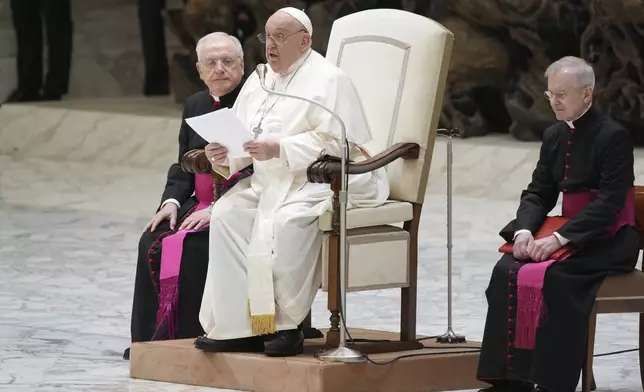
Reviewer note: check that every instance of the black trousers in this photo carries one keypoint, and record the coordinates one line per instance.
(192, 279)
(28, 16)
(154, 50)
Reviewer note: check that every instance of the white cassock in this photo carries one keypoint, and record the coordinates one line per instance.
(263, 271)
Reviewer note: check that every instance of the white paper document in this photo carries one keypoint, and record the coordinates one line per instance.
(223, 127)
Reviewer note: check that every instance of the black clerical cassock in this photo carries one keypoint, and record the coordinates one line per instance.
(180, 186)
(591, 164)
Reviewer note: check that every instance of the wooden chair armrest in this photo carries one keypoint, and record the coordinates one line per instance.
(195, 161)
(327, 167)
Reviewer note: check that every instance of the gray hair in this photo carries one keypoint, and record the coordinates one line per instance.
(581, 68)
(218, 36)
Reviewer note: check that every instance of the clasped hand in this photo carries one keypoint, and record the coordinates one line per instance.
(526, 247)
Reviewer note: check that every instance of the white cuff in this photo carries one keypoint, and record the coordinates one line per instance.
(516, 233)
(563, 240)
(283, 157)
(173, 201)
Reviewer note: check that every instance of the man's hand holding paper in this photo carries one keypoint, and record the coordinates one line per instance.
(216, 153)
(224, 129)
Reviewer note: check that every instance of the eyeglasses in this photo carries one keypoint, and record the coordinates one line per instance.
(279, 39)
(550, 95)
(228, 62)
(562, 95)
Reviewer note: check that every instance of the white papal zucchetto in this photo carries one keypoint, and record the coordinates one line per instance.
(301, 17)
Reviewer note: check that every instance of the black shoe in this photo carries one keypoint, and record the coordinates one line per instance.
(253, 344)
(285, 344)
(126, 354)
(312, 333)
(520, 386)
(24, 96)
(540, 389)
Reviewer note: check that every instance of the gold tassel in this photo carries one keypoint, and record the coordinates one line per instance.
(262, 324)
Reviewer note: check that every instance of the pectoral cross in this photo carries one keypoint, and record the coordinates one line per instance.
(257, 131)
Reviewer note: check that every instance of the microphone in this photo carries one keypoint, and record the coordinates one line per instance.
(261, 72)
(342, 353)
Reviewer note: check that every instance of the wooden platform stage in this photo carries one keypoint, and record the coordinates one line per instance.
(179, 362)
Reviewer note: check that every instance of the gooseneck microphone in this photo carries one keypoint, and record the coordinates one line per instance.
(261, 72)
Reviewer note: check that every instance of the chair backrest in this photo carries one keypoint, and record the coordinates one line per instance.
(398, 62)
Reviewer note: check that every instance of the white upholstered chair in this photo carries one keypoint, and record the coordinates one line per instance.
(398, 62)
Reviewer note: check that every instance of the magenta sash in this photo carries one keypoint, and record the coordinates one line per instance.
(171, 254)
(530, 306)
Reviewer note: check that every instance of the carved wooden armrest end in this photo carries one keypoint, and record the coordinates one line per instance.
(195, 161)
(327, 167)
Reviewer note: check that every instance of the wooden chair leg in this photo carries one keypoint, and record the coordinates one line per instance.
(408, 312)
(333, 299)
(333, 303)
(587, 376)
(408, 295)
(593, 385)
(408, 298)
(642, 348)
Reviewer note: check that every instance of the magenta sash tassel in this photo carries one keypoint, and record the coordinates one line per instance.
(171, 254)
(530, 303)
(168, 312)
(531, 307)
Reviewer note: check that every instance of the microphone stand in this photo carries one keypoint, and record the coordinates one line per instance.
(449, 336)
(342, 353)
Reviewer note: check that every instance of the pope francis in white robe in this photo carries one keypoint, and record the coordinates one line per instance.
(264, 269)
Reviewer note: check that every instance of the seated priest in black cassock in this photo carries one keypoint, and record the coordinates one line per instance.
(542, 290)
(173, 250)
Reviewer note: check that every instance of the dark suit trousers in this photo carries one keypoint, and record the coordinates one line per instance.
(154, 50)
(28, 18)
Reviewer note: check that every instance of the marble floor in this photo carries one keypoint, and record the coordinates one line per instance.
(68, 236)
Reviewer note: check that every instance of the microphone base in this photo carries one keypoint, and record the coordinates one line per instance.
(342, 354)
(450, 337)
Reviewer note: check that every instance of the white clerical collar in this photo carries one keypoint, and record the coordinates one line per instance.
(570, 123)
(298, 63)
(215, 97)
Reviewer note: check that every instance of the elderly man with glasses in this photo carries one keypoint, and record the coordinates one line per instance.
(543, 289)
(173, 250)
(265, 242)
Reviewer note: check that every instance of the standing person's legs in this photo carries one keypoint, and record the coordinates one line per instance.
(154, 50)
(60, 30)
(27, 24)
